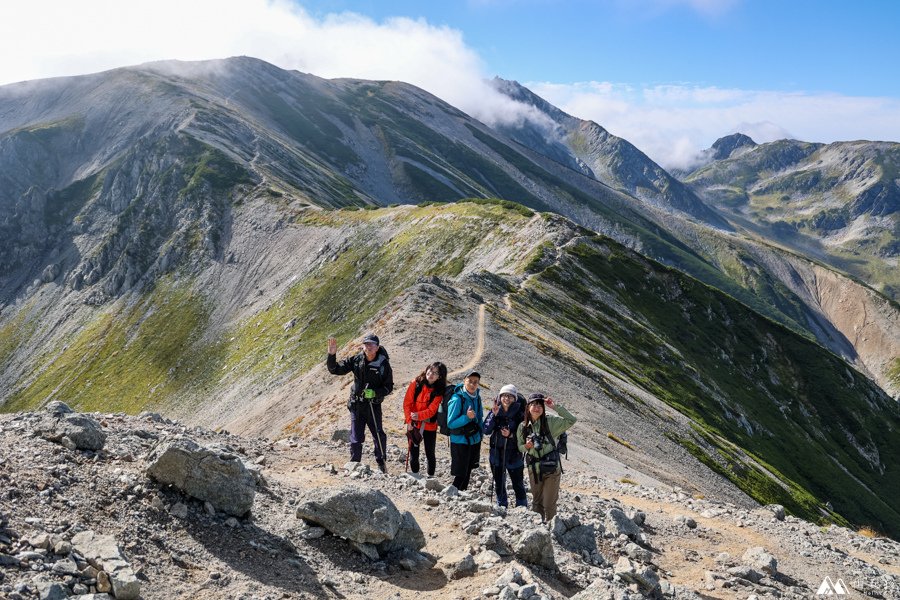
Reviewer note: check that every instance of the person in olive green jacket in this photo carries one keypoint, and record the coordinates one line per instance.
(537, 437)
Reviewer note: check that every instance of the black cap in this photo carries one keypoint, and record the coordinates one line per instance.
(371, 338)
(536, 398)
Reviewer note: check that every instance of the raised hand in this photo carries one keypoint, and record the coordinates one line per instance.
(332, 346)
(549, 402)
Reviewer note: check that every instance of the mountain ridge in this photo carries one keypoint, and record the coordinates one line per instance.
(211, 255)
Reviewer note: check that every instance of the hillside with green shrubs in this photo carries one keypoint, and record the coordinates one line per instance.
(786, 421)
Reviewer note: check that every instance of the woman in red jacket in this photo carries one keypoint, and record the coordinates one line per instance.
(420, 406)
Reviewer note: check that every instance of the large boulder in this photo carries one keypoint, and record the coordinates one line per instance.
(207, 473)
(363, 516)
(64, 426)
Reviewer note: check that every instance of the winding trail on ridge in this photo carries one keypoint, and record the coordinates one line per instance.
(479, 347)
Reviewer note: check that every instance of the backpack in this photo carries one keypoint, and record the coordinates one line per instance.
(441, 416)
(562, 444)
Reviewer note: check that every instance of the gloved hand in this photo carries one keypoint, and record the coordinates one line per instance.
(368, 393)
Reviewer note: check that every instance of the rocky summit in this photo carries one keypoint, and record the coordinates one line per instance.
(101, 523)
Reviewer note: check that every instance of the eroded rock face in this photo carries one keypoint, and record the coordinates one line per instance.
(206, 473)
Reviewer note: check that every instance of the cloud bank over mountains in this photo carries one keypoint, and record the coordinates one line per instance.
(669, 122)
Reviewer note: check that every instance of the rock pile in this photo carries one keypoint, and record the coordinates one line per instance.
(161, 510)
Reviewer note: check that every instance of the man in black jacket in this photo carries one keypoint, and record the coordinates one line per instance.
(373, 379)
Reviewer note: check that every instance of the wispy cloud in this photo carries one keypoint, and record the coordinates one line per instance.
(656, 8)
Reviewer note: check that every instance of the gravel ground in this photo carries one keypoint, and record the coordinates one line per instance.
(180, 548)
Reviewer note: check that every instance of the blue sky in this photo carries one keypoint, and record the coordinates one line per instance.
(671, 76)
(800, 45)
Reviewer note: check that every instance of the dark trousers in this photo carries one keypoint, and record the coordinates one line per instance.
(463, 458)
(517, 478)
(429, 438)
(362, 415)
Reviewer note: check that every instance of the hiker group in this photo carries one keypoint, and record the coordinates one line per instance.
(523, 437)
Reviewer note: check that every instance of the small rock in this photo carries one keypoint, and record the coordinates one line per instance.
(313, 533)
(686, 521)
(758, 558)
(457, 565)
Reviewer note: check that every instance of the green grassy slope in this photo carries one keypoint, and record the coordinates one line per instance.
(154, 349)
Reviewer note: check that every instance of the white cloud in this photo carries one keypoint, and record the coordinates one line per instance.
(83, 37)
(672, 123)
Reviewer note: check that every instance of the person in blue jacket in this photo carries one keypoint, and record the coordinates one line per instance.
(501, 424)
(464, 419)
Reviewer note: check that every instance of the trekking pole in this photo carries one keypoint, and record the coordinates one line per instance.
(375, 427)
(503, 464)
(408, 448)
(493, 481)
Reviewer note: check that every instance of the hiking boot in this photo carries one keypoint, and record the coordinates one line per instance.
(382, 467)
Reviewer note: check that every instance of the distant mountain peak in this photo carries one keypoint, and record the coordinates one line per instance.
(724, 146)
(520, 93)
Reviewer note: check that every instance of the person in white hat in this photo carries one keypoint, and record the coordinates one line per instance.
(501, 425)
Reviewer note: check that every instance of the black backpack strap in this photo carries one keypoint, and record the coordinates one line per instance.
(555, 449)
